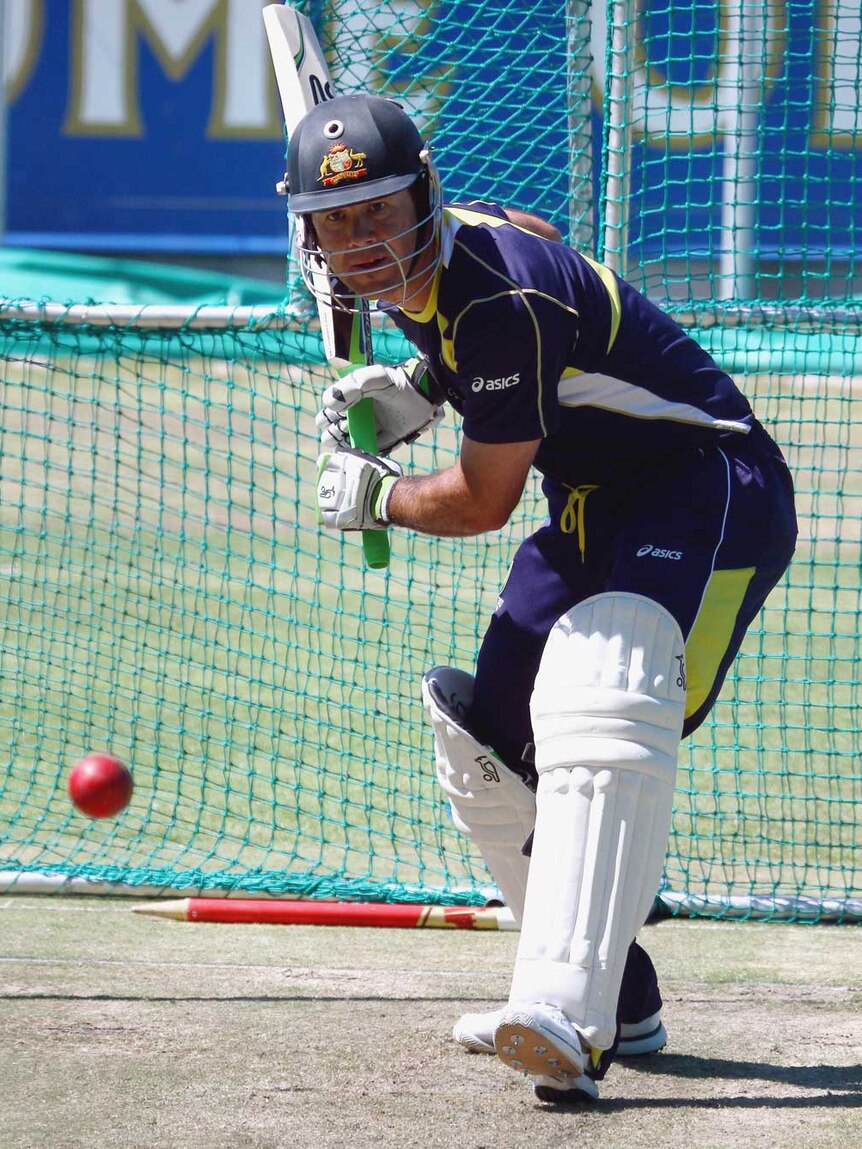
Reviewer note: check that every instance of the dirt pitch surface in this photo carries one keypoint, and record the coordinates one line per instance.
(137, 1032)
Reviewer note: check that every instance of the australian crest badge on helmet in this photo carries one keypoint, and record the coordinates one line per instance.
(342, 163)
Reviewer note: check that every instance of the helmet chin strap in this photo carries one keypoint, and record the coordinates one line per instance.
(422, 228)
(408, 277)
(428, 186)
(414, 259)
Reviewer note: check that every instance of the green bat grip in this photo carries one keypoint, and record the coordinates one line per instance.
(363, 435)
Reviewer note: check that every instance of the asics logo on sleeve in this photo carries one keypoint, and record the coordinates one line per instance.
(501, 384)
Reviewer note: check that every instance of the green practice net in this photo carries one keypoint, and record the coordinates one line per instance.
(167, 594)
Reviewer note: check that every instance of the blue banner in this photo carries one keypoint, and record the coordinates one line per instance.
(147, 125)
(154, 125)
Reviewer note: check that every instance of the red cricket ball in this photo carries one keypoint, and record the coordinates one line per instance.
(100, 785)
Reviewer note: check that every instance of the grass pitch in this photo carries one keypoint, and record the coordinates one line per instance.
(123, 1030)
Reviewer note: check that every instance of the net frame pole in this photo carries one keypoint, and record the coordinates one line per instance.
(760, 907)
(749, 907)
(150, 315)
(158, 316)
(740, 123)
(579, 104)
(618, 92)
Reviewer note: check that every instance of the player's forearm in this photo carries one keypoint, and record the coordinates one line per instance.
(441, 504)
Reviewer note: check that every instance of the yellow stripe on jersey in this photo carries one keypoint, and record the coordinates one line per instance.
(611, 286)
(430, 307)
(447, 351)
(473, 216)
(711, 634)
(605, 274)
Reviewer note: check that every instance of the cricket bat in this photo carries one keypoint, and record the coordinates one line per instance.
(303, 82)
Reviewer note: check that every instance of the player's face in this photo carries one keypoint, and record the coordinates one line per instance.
(370, 247)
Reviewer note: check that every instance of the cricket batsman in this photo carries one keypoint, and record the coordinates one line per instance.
(670, 519)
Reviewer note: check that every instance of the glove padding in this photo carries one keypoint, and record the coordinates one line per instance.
(401, 396)
(349, 484)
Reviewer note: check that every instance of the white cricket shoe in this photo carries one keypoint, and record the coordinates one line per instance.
(475, 1031)
(539, 1040)
(642, 1038)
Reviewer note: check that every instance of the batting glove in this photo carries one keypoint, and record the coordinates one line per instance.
(353, 490)
(403, 400)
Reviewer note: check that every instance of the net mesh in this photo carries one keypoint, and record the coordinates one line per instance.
(168, 595)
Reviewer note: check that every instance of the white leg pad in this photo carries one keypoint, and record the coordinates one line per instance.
(489, 802)
(607, 713)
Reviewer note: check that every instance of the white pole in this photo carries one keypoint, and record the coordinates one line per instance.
(617, 111)
(579, 103)
(151, 315)
(740, 122)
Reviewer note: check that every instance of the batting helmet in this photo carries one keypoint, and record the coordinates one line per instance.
(351, 149)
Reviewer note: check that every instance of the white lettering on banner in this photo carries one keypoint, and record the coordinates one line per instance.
(23, 21)
(108, 35)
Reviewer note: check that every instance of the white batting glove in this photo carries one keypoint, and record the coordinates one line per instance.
(353, 490)
(402, 399)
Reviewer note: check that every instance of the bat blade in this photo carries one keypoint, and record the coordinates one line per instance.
(300, 69)
(304, 82)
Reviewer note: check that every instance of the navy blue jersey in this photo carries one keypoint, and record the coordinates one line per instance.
(531, 340)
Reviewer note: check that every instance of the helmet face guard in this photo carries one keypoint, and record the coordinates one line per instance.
(410, 275)
(348, 151)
